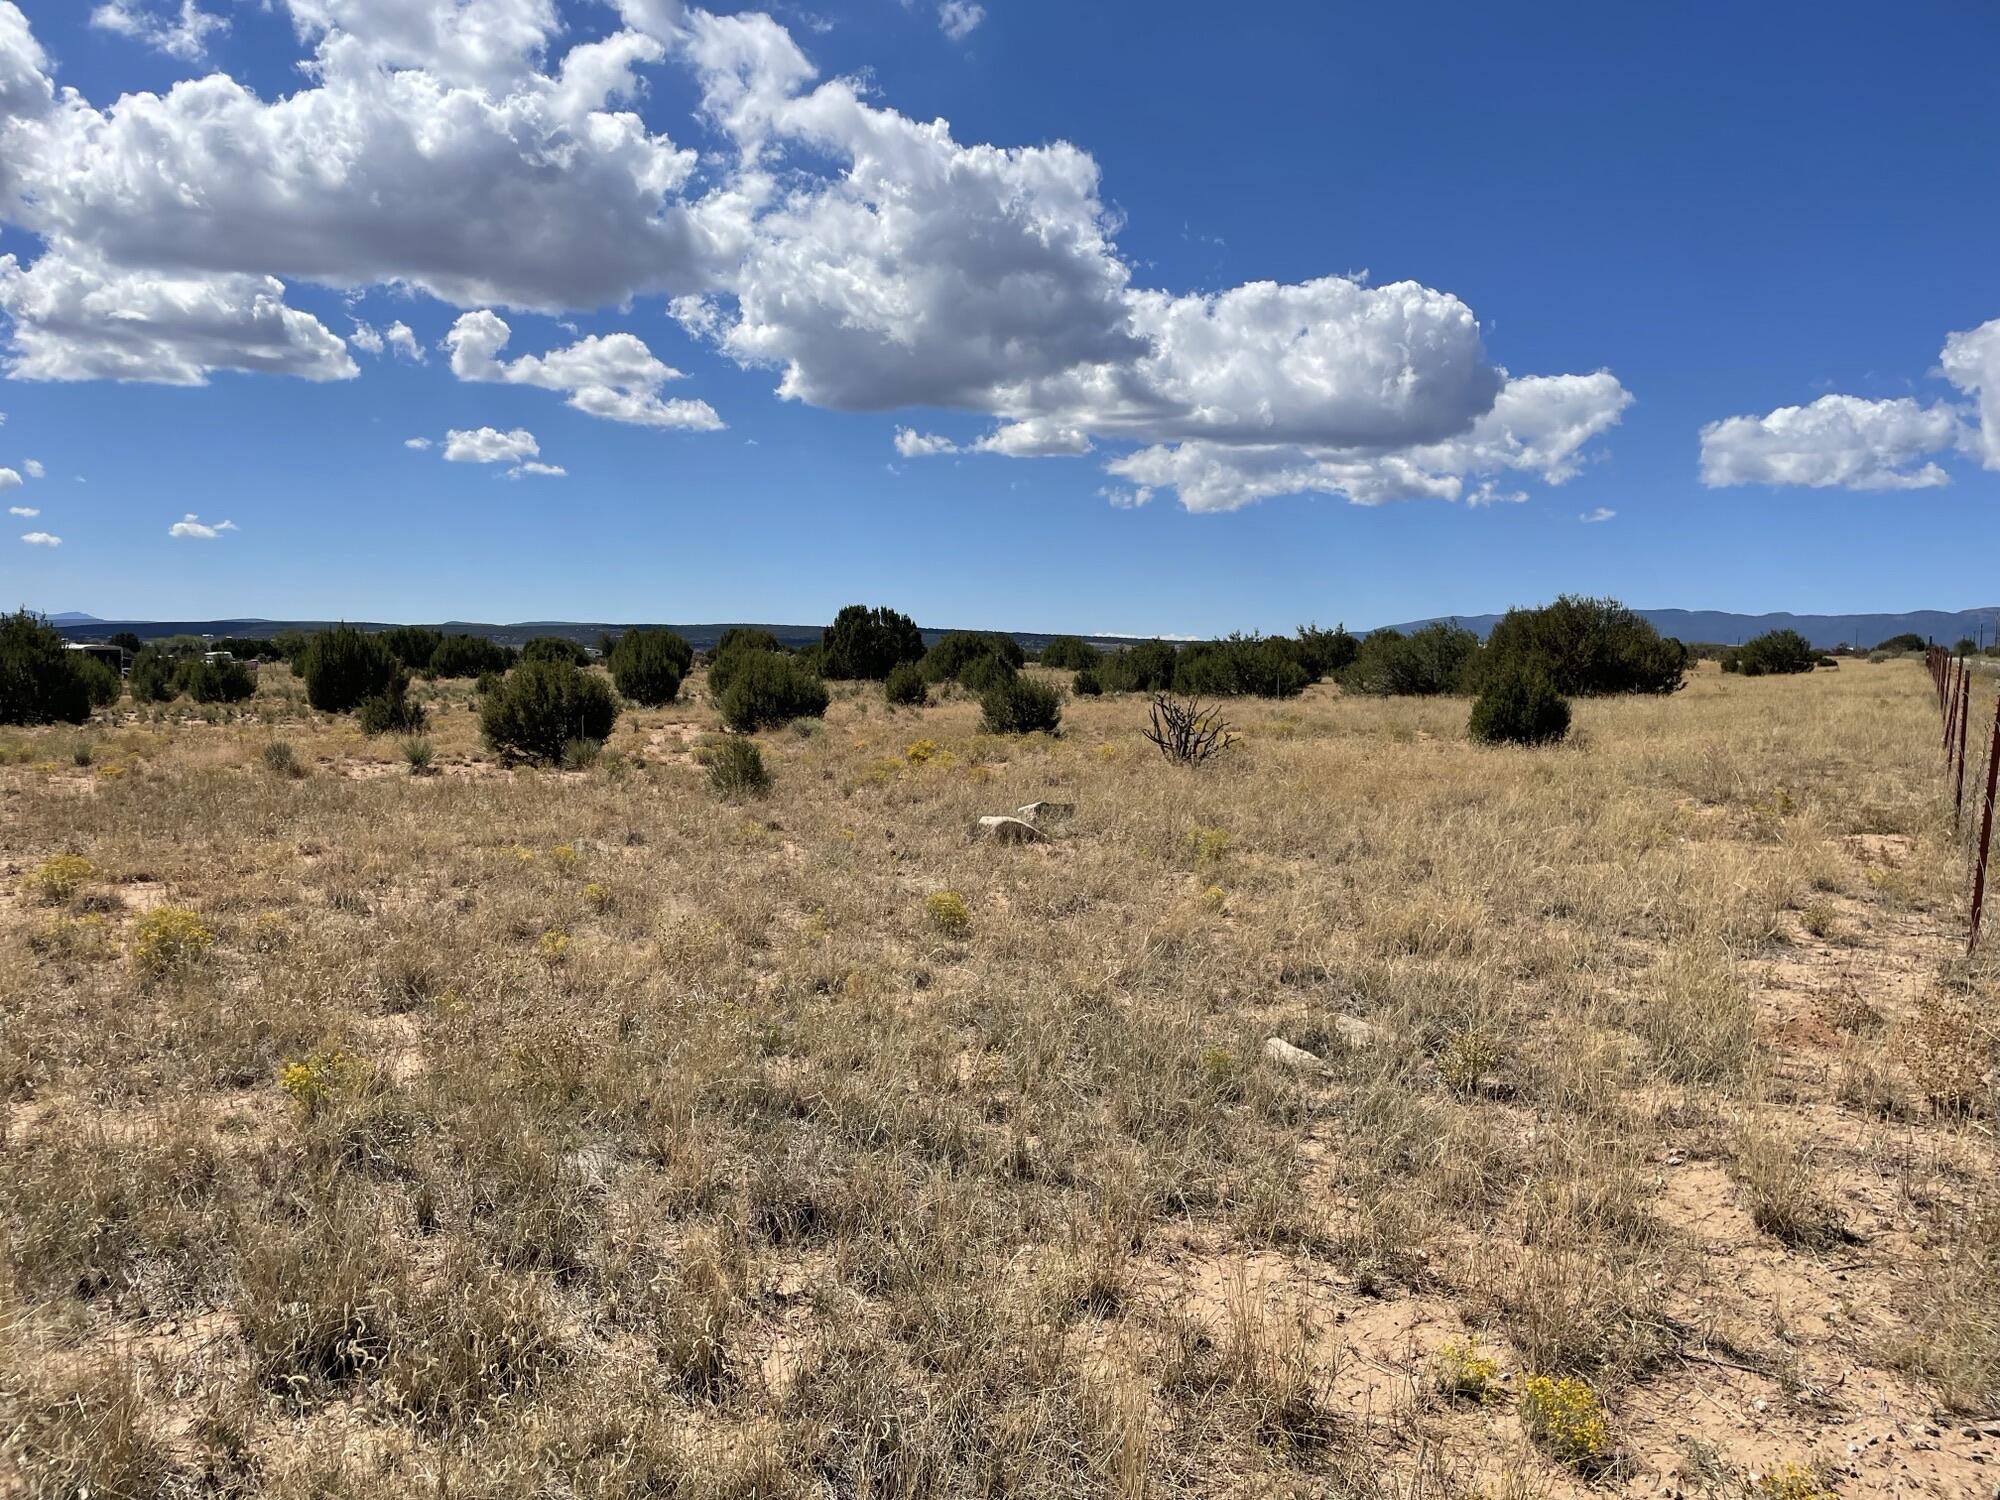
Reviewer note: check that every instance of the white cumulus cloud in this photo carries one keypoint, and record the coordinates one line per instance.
(28, 512)
(33, 468)
(958, 19)
(1837, 442)
(475, 152)
(488, 445)
(607, 375)
(191, 525)
(181, 33)
(1971, 361)
(40, 539)
(1597, 515)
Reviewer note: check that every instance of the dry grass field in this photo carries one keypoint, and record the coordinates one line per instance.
(587, 1133)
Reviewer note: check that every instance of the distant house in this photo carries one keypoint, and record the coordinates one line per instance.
(112, 656)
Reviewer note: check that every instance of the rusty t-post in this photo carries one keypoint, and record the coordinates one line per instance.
(1985, 829)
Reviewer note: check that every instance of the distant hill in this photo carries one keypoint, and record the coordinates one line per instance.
(1718, 626)
(701, 637)
(1824, 631)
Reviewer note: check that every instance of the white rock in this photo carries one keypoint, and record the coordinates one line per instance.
(1354, 1031)
(1297, 1059)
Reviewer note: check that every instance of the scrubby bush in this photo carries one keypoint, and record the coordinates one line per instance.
(948, 660)
(904, 686)
(152, 676)
(1325, 652)
(214, 681)
(1908, 641)
(1519, 707)
(1582, 646)
(735, 766)
(648, 665)
(1070, 653)
(765, 689)
(392, 712)
(540, 706)
(745, 638)
(984, 673)
(40, 682)
(869, 643)
(1145, 668)
(1240, 666)
(413, 645)
(1425, 662)
(1087, 684)
(1020, 705)
(103, 685)
(469, 656)
(343, 666)
(1773, 653)
(555, 648)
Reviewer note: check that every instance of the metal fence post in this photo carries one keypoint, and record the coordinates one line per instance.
(1985, 830)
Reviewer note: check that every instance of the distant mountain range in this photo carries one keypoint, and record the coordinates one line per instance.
(1720, 626)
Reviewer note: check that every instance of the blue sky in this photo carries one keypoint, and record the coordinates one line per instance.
(1587, 233)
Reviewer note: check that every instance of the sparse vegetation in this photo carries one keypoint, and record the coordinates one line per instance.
(735, 766)
(644, 1131)
(1424, 663)
(904, 686)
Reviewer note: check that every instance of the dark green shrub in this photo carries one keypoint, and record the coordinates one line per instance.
(1070, 653)
(343, 666)
(214, 681)
(735, 766)
(948, 659)
(648, 665)
(1020, 705)
(540, 706)
(984, 673)
(555, 648)
(290, 644)
(40, 682)
(1775, 652)
(153, 676)
(393, 712)
(413, 645)
(1323, 653)
(1519, 707)
(581, 753)
(1145, 668)
(1240, 666)
(469, 656)
(1583, 646)
(1087, 684)
(102, 684)
(868, 643)
(128, 642)
(1965, 646)
(766, 689)
(1425, 662)
(904, 686)
(1908, 641)
(744, 638)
